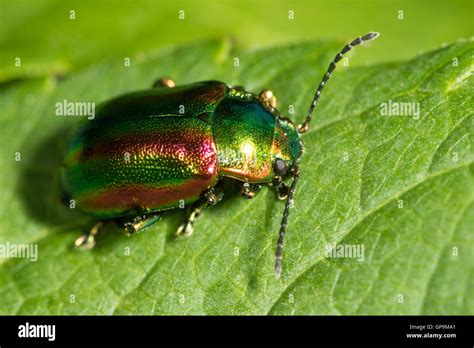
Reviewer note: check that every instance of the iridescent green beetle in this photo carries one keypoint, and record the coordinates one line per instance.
(169, 146)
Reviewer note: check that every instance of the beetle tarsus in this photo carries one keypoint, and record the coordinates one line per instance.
(139, 222)
(87, 241)
(249, 191)
(268, 98)
(212, 197)
(281, 188)
(164, 82)
(186, 228)
(283, 191)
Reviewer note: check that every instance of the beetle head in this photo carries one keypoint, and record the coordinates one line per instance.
(287, 149)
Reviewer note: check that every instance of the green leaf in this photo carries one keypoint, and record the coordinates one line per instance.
(49, 39)
(398, 186)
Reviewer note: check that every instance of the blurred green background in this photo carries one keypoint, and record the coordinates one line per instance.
(42, 34)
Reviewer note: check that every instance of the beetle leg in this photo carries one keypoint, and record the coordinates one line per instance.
(87, 241)
(212, 197)
(281, 187)
(249, 191)
(283, 191)
(186, 228)
(139, 222)
(268, 98)
(164, 82)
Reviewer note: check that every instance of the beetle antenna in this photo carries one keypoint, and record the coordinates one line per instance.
(284, 221)
(369, 36)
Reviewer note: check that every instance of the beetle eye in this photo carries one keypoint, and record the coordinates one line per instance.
(279, 167)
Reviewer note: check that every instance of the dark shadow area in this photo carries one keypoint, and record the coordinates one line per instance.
(39, 184)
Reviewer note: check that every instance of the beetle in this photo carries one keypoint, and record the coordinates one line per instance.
(169, 146)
